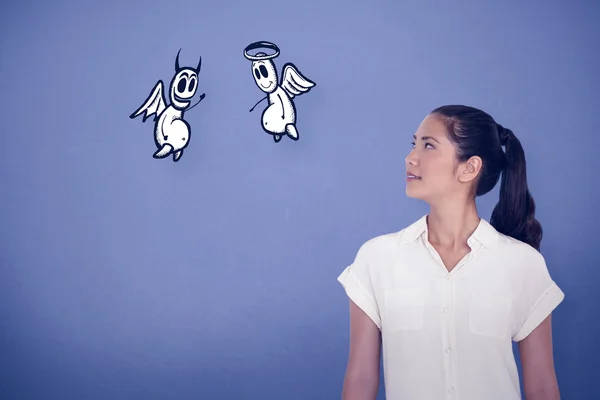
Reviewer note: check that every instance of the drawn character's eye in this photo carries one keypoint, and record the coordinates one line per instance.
(192, 85)
(256, 73)
(181, 85)
(263, 71)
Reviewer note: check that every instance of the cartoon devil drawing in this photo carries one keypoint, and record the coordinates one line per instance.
(279, 118)
(171, 131)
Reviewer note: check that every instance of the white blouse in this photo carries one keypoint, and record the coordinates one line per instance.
(447, 335)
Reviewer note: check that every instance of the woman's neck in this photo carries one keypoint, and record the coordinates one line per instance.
(450, 224)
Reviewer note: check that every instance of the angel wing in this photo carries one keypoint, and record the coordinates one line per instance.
(293, 82)
(154, 104)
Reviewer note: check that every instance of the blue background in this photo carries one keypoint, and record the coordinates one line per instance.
(127, 277)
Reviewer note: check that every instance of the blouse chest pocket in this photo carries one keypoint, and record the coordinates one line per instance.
(490, 314)
(403, 309)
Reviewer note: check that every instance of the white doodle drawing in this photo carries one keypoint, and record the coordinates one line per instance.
(171, 132)
(279, 118)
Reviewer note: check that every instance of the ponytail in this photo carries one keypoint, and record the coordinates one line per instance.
(514, 215)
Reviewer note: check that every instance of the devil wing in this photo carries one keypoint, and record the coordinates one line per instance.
(154, 104)
(293, 82)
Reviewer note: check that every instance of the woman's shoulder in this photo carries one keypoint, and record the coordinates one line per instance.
(392, 240)
(520, 256)
(510, 246)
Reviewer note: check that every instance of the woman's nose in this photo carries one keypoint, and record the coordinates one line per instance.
(410, 159)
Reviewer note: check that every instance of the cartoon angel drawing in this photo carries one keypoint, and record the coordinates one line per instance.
(279, 118)
(171, 132)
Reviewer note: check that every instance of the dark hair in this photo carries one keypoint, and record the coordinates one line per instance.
(475, 133)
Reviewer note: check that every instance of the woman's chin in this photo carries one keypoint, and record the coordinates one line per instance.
(413, 194)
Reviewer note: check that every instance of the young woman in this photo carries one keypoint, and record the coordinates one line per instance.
(445, 297)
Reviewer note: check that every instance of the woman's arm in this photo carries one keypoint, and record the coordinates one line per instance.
(361, 381)
(537, 361)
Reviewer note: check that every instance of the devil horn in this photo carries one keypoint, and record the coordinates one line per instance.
(199, 64)
(177, 61)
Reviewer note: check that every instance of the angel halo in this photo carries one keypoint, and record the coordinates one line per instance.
(279, 118)
(261, 56)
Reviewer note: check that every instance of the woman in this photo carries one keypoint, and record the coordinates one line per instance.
(445, 297)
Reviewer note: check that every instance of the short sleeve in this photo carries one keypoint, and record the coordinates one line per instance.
(538, 296)
(356, 281)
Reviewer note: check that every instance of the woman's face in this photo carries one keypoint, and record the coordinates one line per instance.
(431, 166)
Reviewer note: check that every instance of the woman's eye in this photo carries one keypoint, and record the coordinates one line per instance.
(426, 144)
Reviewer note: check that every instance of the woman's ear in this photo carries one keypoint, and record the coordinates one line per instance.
(470, 169)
